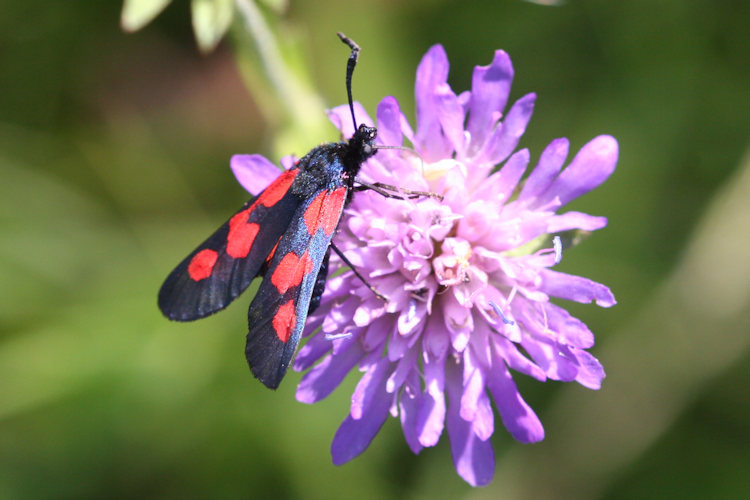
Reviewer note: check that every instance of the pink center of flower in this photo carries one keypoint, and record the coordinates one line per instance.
(452, 265)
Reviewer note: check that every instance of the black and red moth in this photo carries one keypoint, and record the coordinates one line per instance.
(284, 234)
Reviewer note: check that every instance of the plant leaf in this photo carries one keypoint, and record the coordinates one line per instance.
(138, 13)
(211, 19)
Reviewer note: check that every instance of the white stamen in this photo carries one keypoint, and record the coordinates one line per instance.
(557, 245)
(411, 313)
(335, 336)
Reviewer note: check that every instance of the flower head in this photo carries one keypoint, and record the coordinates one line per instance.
(468, 278)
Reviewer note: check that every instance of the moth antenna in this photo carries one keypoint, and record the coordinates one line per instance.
(350, 64)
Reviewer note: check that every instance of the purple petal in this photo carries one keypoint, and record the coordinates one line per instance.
(480, 344)
(435, 341)
(432, 71)
(500, 185)
(489, 261)
(389, 122)
(576, 288)
(451, 116)
(397, 345)
(571, 330)
(377, 332)
(479, 217)
(406, 366)
(340, 315)
(513, 232)
(575, 220)
(475, 405)
(407, 131)
(355, 434)
(369, 309)
(458, 320)
(549, 355)
(341, 117)
(408, 408)
(550, 163)
(431, 74)
(517, 416)
(490, 86)
(369, 387)
(370, 359)
(312, 351)
(505, 137)
(473, 458)
(253, 172)
(411, 318)
(319, 382)
(591, 373)
(473, 386)
(431, 412)
(515, 360)
(289, 161)
(593, 164)
(484, 422)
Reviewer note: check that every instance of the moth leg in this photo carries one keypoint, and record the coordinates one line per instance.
(390, 191)
(356, 273)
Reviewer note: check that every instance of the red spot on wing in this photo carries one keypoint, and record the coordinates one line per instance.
(241, 234)
(202, 264)
(312, 212)
(331, 211)
(290, 271)
(284, 321)
(277, 189)
(325, 210)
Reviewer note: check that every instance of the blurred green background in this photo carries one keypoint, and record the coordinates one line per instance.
(114, 155)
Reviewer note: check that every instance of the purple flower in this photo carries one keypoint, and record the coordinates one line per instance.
(468, 278)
